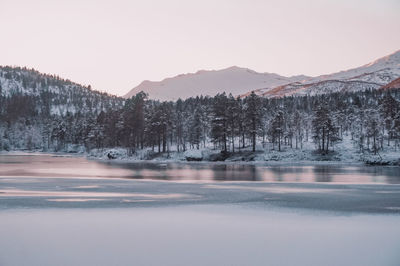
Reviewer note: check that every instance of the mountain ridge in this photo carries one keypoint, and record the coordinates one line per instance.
(57, 95)
(234, 79)
(372, 75)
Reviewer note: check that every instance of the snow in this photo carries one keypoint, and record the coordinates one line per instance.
(318, 88)
(389, 64)
(66, 95)
(345, 152)
(368, 77)
(241, 81)
(233, 80)
(195, 154)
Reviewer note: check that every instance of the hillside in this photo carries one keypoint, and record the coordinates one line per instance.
(242, 81)
(367, 77)
(57, 94)
(233, 80)
(381, 71)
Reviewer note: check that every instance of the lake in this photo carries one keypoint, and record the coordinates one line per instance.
(67, 166)
(66, 210)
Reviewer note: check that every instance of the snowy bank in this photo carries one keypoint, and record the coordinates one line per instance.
(287, 156)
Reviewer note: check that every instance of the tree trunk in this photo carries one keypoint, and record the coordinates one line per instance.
(327, 142)
(233, 143)
(279, 142)
(254, 141)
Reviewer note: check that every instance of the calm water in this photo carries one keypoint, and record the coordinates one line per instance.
(71, 211)
(202, 235)
(76, 167)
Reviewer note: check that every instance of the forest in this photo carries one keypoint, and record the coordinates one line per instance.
(50, 114)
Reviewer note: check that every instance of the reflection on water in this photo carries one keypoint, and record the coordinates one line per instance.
(49, 166)
(56, 166)
(246, 172)
(84, 194)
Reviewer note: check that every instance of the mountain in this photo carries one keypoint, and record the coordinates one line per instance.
(56, 95)
(233, 80)
(370, 76)
(321, 87)
(242, 81)
(381, 71)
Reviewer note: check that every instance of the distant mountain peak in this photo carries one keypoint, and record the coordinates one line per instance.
(371, 76)
(239, 81)
(234, 79)
(380, 71)
(234, 68)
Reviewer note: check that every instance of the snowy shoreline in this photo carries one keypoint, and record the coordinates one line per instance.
(258, 159)
(344, 154)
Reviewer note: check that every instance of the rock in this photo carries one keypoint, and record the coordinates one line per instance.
(193, 159)
(376, 162)
(193, 155)
(219, 157)
(111, 155)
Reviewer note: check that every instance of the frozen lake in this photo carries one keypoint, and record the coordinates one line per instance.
(48, 166)
(72, 211)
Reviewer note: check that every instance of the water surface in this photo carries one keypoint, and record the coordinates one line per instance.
(63, 210)
(78, 167)
(199, 235)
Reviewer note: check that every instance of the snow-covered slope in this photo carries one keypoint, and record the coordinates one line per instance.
(61, 95)
(30, 82)
(381, 71)
(322, 87)
(233, 80)
(370, 76)
(242, 81)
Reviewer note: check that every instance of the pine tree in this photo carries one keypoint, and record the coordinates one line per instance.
(373, 129)
(232, 119)
(196, 128)
(389, 108)
(253, 116)
(276, 129)
(325, 132)
(298, 128)
(219, 130)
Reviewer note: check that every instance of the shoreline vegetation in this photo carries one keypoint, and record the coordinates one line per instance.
(342, 155)
(248, 157)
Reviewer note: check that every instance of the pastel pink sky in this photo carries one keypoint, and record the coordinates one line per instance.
(114, 45)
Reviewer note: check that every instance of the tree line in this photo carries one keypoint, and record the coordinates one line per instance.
(231, 124)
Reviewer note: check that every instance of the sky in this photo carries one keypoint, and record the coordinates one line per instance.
(114, 45)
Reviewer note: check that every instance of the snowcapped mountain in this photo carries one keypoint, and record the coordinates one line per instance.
(381, 71)
(69, 96)
(16, 80)
(58, 95)
(233, 80)
(242, 81)
(370, 76)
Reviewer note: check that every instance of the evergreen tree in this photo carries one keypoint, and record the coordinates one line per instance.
(325, 132)
(219, 129)
(276, 129)
(253, 116)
